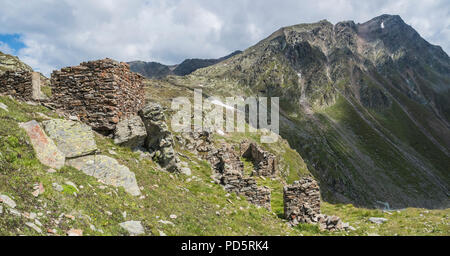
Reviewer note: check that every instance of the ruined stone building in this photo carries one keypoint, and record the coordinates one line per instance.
(21, 84)
(265, 163)
(100, 93)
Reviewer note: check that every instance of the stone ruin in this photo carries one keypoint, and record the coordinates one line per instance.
(21, 84)
(100, 93)
(265, 163)
(302, 205)
(228, 168)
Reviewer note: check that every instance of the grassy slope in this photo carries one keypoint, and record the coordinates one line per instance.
(201, 206)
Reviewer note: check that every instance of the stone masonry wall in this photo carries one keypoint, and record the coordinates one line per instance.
(301, 200)
(265, 163)
(100, 93)
(228, 168)
(23, 85)
(302, 205)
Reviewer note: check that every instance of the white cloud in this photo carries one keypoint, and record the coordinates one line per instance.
(5, 48)
(60, 33)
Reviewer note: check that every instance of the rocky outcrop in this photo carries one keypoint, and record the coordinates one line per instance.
(46, 150)
(74, 139)
(159, 141)
(130, 132)
(100, 93)
(108, 171)
(265, 163)
(302, 205)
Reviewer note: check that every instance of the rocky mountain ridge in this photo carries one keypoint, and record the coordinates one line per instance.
(365, 104)
(158, 70)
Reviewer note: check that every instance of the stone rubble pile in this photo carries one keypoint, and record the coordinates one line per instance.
(302, 205)
(100, 93)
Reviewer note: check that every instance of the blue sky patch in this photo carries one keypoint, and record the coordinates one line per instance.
(14, 41)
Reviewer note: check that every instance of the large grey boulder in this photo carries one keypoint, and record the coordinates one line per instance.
(159, 138)
(108, 170)
(130, 132)
(46, 150)
(74, 139)
(133, 227)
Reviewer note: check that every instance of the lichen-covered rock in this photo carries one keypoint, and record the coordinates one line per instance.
(7, 201)
(74, 139)
(159, 138)
(108, 170)
(130, 132)
(46, 150)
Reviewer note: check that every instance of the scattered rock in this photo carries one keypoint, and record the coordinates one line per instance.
(109, 170)
(130, 132)
(46, 150)
(162, 233)
(74, 139)
(377, 220)
(57, 187)
(51, 170)
(69, 216)
(33, 226)
(8, 201)
(186, 171)
(166, 222)
(14, 212)
(75, 232)
(133, 227)
(35, 193)
(173, 216)
(4, 107)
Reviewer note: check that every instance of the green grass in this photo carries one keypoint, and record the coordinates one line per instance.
(203, 208)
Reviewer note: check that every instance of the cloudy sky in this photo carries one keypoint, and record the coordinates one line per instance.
(50, 34)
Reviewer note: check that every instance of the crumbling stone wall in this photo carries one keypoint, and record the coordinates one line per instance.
(302, 205)
(228, 168)
(100, 93)
(302, 200)
(23, 85)
(230, 172)
(265, 163)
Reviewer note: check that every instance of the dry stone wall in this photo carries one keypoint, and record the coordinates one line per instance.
(23, 85)
(228, 168)
(265, 163)
(302, 205)
(100, 93)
